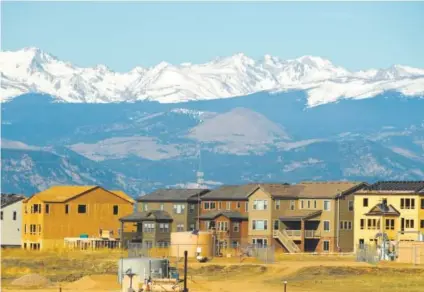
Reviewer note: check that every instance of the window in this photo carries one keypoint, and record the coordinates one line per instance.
(26, 209)
(238, 205)
(36, 208)
(206, 205)
(191, 208)
(207, 225)
(373, 224)
(39, 229)
(345, 225)
(407, 203)
(260, 224)
(362, 223)
(260, 242)
(47, 207)
(349, 225)
(148, 227)
(276, 224)
(327, 226)
(179, 208)
(228, 205)
(236, 227)
(24, 228)
(422, 203)
(163, 227)
(301, 204)
(350, 205)
(315, 204)
(390, 224)
(213, 205)
(422, 224)
(148, 244)
(309, 204)
(365, 202)
(115, 210)
(326, 245)
(409, 223)
(14, 215)
(180, 227)
(277, 204)
(246, 206)
(1, 215)
(162, 207)
(219, 205)
(292, 205)
(145, 207)
(82, 209)
(163, 244)
(327, 205)
(66, 209)
(234, 244)
(260, 204)
(222, 225)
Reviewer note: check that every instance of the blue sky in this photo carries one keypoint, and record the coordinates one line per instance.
(122, 35)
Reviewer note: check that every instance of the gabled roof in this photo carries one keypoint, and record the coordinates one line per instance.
(229, 214)
(173, 195)
(9, 199)
(312, 190)
(123, 195)
(383, 210)
(233, 192)
(147, 215)
(59, 194)
(416, 187)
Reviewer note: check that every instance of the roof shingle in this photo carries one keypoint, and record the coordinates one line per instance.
(393, 186)
(147, 215)
(236, 192)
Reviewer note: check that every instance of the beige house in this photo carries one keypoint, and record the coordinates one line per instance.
(309, 216)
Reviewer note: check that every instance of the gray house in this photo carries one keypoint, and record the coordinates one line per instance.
(160, 213)
(11, 220)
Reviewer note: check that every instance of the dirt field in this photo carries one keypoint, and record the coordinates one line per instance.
(96, 271)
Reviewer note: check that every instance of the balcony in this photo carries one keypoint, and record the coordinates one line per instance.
(296, 234)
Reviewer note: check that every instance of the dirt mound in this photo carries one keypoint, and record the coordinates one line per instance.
(31, 281)
(85, 283)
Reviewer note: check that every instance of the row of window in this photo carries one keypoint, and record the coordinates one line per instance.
(263, 225)
(81, 209)
(178, 208)
(345, 225)
(211, 205)
(164, 227)
(372, 224)
(405, 203)
(33, 229)
(13, 215)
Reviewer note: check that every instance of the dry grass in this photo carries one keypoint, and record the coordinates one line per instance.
(315, 273)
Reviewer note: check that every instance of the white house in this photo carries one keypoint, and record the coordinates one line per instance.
(11, 220)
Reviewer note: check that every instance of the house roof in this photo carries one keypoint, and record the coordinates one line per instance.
(300, 215)
(123, 195)
(233, 192)
(396, 186)
(229, 214)
(173, 195)
(147, 215)
(315, 190)
(9, 199)
(58, 194)
(382, 209)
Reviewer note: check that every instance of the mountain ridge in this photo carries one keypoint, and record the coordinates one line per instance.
(33, 70)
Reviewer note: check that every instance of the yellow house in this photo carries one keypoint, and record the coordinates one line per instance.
(72, 211)
(390, 209)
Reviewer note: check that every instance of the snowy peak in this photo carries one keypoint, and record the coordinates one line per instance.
(33, 70)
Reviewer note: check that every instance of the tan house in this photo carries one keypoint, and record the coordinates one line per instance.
(309, 216)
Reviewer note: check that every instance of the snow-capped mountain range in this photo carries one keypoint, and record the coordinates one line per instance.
(31, 70)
